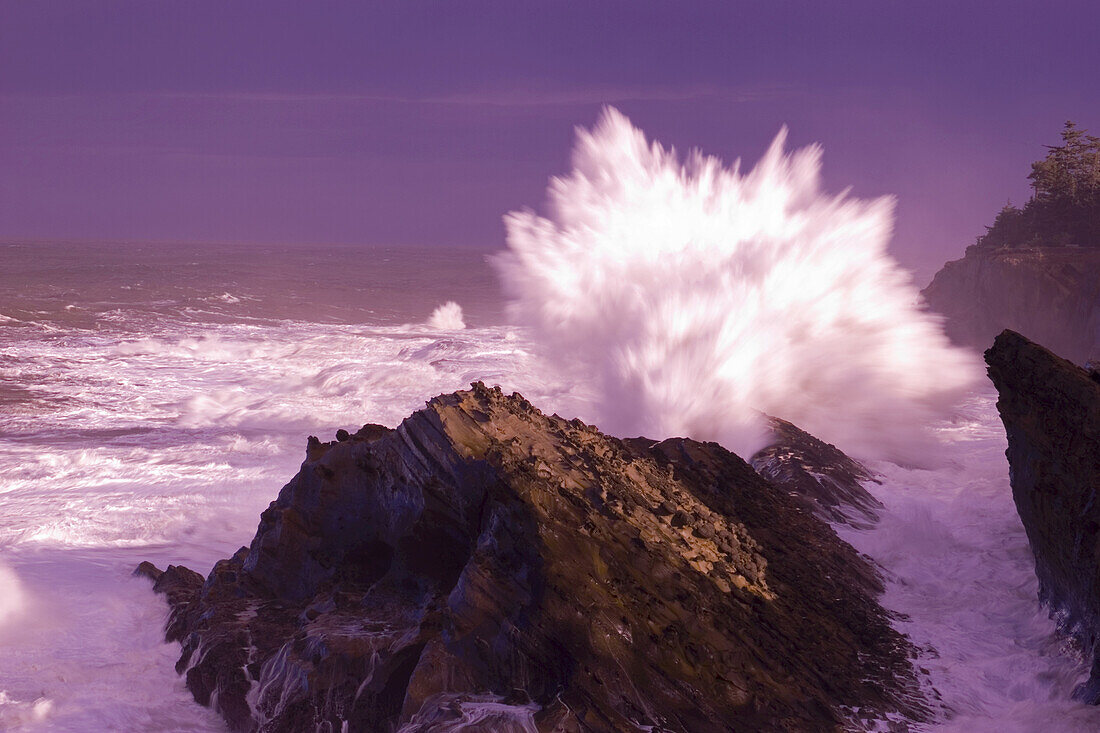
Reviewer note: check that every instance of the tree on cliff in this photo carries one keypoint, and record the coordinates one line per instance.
(1065, 203)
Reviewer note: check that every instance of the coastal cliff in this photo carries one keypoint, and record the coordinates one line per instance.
(1051, 413)
(486, 566)
(1050, 294)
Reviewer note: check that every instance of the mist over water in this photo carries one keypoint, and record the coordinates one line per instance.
(699, 295)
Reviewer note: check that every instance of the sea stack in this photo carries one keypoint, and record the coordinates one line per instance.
(1051, 412)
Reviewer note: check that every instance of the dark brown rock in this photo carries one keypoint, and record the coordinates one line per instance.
(372, 431)
(1051, 413)
(181, 588)
(488, 563)
(1049, 294)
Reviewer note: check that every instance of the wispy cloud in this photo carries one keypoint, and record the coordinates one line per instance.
(505, 97)
(599, 95)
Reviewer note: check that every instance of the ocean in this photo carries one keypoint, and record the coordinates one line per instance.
(155, 397)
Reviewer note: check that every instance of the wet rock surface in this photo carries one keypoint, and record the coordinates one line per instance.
(487, 567)
(1049, 294)
(818, 475)
(1051, 412)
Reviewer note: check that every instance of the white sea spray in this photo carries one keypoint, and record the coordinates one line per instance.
(697, 295)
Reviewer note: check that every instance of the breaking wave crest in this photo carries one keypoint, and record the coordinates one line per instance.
(697, 295)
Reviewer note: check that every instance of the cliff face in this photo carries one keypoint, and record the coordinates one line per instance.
(1050, 294)
(1051, 412)
(487, 567)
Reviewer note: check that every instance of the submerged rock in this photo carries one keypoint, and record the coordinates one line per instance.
(1051, 413)
(1050, 294)
(487, 567)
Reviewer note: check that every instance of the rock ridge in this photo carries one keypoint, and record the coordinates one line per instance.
(818, 475)
(486, 566)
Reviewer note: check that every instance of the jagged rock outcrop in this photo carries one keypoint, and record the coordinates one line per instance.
(824, 480)
(487, 567)
(1051, 413)
(1050, 294)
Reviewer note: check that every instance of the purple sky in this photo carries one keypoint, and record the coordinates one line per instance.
(415, 122)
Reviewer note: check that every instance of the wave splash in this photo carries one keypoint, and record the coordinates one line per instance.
(697, 296)
(447, 317)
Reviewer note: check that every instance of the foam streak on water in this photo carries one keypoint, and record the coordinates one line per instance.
(960, 570)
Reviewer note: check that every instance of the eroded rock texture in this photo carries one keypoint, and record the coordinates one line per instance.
(824, 480)
(1050, 294)
(1051, 412)
(488, 567)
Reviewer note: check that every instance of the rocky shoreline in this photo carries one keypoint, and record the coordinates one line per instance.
(486, 566)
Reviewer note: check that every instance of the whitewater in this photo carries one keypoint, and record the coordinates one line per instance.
(154, 399)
